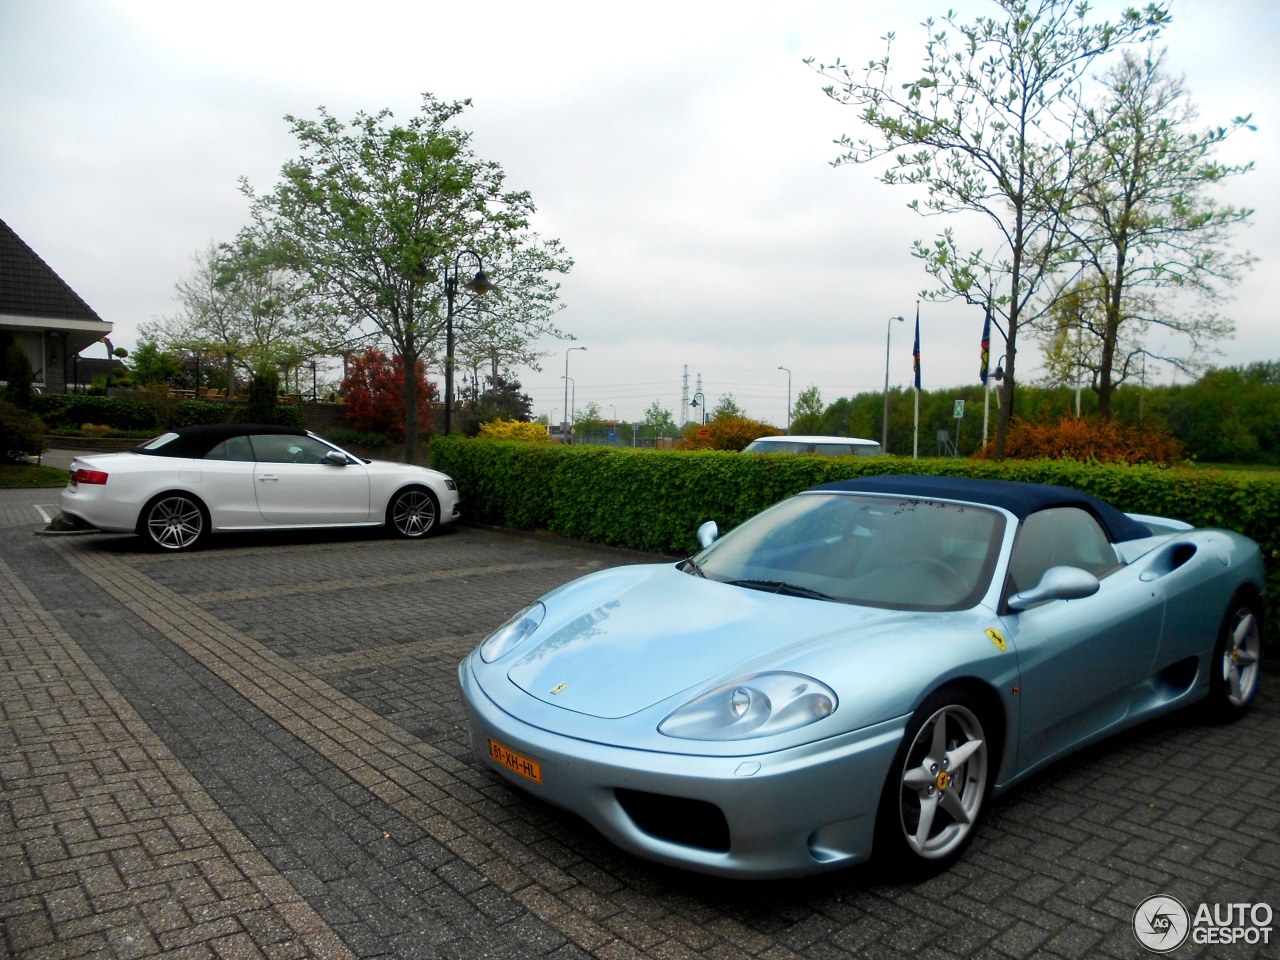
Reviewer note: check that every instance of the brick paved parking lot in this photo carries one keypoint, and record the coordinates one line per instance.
(258, 750)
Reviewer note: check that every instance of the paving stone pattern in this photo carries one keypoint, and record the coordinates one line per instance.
(258, 749)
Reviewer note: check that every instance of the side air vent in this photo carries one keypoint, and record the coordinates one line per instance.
(1168, 559)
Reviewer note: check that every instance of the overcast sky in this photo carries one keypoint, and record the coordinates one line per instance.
(681, 151)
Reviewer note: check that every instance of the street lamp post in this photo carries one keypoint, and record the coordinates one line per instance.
(884, 428)
(480, 283)
(564, 425)
(788, 398)
(694, 403)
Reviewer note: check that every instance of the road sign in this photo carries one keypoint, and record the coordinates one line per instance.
(704, 433)
(959, 410)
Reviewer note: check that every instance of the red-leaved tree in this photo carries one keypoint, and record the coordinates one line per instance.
(374, 391)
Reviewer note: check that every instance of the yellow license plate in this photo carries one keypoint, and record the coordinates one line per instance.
(529, 769)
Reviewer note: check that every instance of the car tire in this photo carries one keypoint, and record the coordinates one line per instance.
(173, 522)
(1235, 669)
(413, 513)
(937, 786)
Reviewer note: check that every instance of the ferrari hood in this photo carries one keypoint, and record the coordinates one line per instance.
(657, 631)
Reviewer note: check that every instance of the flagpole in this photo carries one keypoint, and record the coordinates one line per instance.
(915, 441)
(982, 371)
(986, 409)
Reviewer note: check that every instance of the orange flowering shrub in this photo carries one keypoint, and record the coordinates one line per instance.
(726, 433)
(1085, 439)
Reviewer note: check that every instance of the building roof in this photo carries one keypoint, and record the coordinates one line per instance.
(1020, 499)
(29, 287)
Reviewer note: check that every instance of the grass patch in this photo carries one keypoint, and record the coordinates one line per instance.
(29, 475)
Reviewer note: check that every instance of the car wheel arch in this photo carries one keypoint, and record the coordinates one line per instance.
(1216, 708)
(140, 524)
(994, 712)
(411, 487)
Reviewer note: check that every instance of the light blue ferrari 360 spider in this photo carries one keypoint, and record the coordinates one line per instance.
(857, 669)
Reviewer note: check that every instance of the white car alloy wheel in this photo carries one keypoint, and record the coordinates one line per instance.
(413, 513)
(174, 522)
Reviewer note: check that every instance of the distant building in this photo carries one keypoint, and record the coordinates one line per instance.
(40, 311)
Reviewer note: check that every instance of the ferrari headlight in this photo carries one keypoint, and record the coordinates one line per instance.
(760, 705)
(512, 633)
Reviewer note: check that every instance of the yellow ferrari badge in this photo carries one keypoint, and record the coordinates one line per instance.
(996, 639)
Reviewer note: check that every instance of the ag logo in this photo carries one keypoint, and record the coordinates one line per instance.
(1161, 923)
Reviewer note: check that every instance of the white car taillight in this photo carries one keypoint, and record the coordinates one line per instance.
(89, 476)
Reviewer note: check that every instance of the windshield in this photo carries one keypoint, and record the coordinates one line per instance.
(904, 554)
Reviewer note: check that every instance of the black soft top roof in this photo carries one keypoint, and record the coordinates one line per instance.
(1020, 499)
(195, 442)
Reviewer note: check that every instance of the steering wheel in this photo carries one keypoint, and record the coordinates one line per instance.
(945, 572)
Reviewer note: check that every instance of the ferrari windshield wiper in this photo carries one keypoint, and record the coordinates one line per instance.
(691, 566)
(781, 586)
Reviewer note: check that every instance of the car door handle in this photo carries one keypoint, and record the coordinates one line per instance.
(267, 477)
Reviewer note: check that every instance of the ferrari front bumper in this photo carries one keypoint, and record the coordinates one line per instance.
(784, 813)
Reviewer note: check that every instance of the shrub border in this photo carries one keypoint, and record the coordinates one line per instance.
(653, 500)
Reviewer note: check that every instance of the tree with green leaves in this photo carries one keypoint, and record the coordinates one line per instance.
(373, 213)
(588, 419)
(151, 364)
(237, 304)
(503, 327)
(807, 414)
(988, 127)
(503, 400)
(1153, 245)
(726, 406)
(658, 422)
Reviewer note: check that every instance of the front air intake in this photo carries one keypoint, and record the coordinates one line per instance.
(692, 823)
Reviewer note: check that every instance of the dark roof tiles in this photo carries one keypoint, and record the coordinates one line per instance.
(29, 287)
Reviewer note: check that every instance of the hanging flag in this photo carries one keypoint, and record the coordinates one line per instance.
(986, 347)
(916, 352)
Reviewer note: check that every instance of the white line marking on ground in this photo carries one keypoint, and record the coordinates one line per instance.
(41, 510)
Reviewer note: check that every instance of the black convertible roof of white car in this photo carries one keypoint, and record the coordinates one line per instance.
(1020, 499)
(195, 442)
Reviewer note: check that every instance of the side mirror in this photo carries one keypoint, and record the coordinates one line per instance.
(333, 456)
(708, 533)
(1058, 583)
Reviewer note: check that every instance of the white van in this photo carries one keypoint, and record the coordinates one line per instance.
(826, 446)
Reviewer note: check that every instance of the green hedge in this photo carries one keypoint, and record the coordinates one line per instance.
(71, 410)
(126, 413)
(654, 500)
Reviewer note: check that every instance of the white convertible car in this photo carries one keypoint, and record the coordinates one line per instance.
(192, 481)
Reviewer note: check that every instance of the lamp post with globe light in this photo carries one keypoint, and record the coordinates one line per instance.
(564, 425)
(478, 284)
